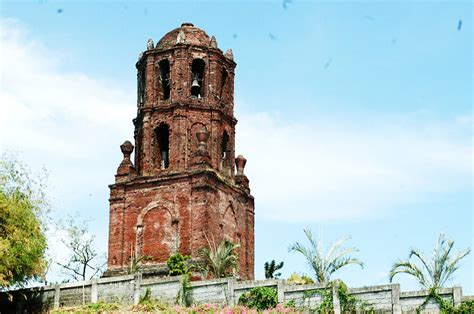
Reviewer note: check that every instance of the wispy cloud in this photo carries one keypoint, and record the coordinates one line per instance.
(346, 170)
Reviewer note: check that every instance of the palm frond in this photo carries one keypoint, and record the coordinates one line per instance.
(335, 246)
(405, 267)
(424, 260)
(452, 266)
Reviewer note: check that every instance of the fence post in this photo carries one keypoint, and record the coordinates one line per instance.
(136, 289)
(281, 291)
(231, 291)
(57, 294)
(396, 305)
(94, 291)
(335, 301)
(457, 295)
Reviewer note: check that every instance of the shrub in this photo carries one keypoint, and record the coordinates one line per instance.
(466, 307)
(260, 298)
(147, 303)
(178, 264)
(296, 279)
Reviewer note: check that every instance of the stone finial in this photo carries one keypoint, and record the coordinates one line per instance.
(181, 38)
(127, 149)
(229, 54)
(126, 167)
(149, 44)
(202, 136)
(240, 162)
(213, 42)
(140, 55)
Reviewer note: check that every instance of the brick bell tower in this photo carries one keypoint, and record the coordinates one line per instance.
(183, 188)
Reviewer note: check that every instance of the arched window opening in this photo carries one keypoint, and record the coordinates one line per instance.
(225, 152)
(164, 79)
(162, 139)
(224, 76)
(141, 85)
(197, 78)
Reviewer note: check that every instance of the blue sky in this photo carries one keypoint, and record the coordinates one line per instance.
(355, 117)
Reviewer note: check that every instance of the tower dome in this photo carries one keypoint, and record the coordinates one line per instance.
(187, 34)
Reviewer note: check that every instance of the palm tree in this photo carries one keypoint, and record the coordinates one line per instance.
(435, 271)
(271, 268)
(218, 260)
(324, 265)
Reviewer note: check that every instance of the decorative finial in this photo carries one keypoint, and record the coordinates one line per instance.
(229, 55)
(149, 44)
(126, 167)
(181, 39)
(240, 162)
(140, 55)
(213, 43)
(127, 149)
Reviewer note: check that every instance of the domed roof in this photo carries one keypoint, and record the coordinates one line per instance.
(186, 34)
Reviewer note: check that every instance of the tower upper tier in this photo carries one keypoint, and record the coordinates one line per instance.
(187, 67)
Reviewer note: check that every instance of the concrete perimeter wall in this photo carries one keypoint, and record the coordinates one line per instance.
(128, 289)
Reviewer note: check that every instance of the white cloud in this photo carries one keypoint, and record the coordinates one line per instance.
(346, 169)
(70, 122)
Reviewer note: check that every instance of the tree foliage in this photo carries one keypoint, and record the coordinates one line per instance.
(84, 261)
(22, 233)
(219, 260)
(271, 269)
(324, 265)
(434, 271)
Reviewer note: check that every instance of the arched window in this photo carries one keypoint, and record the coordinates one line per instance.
(162, 134)
(197, 78)
(164, 86)
(141, 82)
(225, 153)
(224, 76)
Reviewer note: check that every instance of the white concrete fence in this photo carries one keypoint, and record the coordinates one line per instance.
(128, 289)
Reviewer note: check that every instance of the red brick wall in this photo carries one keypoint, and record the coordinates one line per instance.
(158, 212)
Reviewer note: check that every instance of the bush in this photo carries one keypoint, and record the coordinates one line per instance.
(296, 279)
(260, 298)
(178, 264)
(466, 307)
(147, 303)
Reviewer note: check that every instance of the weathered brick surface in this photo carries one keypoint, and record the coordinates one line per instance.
(181, 190)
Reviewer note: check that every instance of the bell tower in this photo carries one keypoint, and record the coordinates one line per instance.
(183, 188)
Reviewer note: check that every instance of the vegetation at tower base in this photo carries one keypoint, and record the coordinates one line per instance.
(324, 265)
(23, 205)
(178, 264)
(136, 262)
(218, 261)
(84, 261)
(436, 270)
(271, 268)
(260, 298)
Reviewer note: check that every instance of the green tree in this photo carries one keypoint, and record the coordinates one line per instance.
(271, 268)
(218, 260)
(84, 260)
(324, 265)
(22, 234)
(432, 272)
